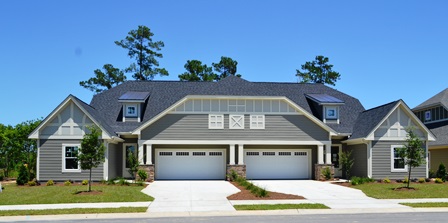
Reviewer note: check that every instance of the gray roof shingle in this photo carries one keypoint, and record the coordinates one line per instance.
(440, 131)
(441, 97)
(163, 94)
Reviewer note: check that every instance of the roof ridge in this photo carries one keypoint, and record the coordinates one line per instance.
(384, 105)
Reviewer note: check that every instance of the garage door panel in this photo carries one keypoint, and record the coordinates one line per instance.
(277, 164)
(190, 164)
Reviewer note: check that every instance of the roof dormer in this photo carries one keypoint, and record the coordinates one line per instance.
(133, 104)
(328, 107)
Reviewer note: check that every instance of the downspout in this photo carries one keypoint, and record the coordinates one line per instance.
(369, 157)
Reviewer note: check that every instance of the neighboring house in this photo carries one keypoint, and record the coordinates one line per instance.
(434, 114)
(202, 130)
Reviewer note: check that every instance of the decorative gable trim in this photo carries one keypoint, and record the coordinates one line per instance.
(35, 134)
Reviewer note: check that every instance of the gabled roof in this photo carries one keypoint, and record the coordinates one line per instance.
(440, 98)
(87, 109)
(164, 94)
(440, 130)
(369, 120)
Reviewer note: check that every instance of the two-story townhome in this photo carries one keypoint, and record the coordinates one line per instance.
(434, 114)
(202, 130)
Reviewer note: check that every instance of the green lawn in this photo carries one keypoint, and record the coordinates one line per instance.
(386, 191)
(278, 207)
(13, 194)
(427, 205)
(74, 211)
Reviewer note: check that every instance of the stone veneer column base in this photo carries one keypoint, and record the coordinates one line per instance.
(239, 169)
(318, 171)
(149, 169)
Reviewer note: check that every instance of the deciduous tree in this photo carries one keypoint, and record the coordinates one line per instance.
(196, 71)
(318, 71)
(145, 51)
(104, 80)
(91, 153)
(412, 152)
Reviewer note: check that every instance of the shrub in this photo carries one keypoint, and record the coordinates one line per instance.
(142, 174)
(361, 180)
(249, 186)
(85, 182)
(405, 180)
(421, 180)
(432, 174)
(327, 173)
(139, 183)
(103, 181)
(386, 180)
(111, 182)
(50, 183)
(1, 177)
(67, 183)
(262, 192)
(441, 172)
(123, 182)
(233, 176)
(23, 177)
(32, 183)
(438, 180)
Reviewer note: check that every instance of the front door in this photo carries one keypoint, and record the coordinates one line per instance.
(335, 150)
(127, 148)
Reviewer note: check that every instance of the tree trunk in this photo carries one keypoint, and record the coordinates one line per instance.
(409, 176)
(90, 178)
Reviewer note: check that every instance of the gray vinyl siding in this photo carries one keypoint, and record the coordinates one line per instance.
(359, 154)
(50, 163)
(438, 156)
(381, 162)
(195, 127)
(114, 161)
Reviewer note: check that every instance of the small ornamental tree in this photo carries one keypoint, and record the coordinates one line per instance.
(91, 153)
(133, 163)
(413, 152)
(346, 161)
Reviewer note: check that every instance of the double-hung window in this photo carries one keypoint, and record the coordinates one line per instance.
(215, 121)
(69, 161)
(257, 122)
(397, 163)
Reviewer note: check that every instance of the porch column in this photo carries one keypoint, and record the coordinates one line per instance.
(232, 155)
(328, 153)
(320, 154)
(148, 154)
(106, 161)
(140, 154)
(240, 154)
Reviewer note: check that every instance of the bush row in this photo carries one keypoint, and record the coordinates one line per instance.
(255, 190)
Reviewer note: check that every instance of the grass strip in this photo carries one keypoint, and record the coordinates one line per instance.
(73, 211)
(386, 191)
(278, 207)
(427, 205)
(14, 195)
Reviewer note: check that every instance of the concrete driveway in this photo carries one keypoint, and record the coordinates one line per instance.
(182, 196)
(332, 195)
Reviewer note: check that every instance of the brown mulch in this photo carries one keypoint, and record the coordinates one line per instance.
(93, 192)
(348, 184)
(247, 195)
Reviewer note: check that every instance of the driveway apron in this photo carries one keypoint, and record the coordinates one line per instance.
(331, 195)
(186, 196)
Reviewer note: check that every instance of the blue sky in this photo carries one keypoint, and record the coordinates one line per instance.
(384, 50)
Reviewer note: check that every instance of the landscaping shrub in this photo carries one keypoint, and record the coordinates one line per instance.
(111, 182)
(1, 177)
(438, 180)
(258, 192)
(327, 173)
(67, 183)
(103, 181)
(441, 172)
(432, 174)
(23, 177)
(233, 176)
(32, 183)
(123, 182)
(50, 183)
(405, 180)
(85, 182)
(421, 180)
(386, 180)
(142, 174)
(360, 180)
(262, 192)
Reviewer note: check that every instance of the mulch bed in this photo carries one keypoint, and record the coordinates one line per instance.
(93, 192)
(247, 195)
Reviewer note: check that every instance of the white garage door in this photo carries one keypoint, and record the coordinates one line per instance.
(277, 164)
(182, 164)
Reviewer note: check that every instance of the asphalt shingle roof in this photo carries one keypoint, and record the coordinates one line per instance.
(441, 97)
(369, 119)
(163, 94)
(440, 130)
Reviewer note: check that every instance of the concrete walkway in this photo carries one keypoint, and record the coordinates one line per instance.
(191, 196)
(331, 195)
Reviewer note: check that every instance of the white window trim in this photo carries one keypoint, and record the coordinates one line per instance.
(64, 159)
(428, 113)
(392, 160)
(216, 116)
(131, 115)
(236, 125)
(252, 117)
(335, 117)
